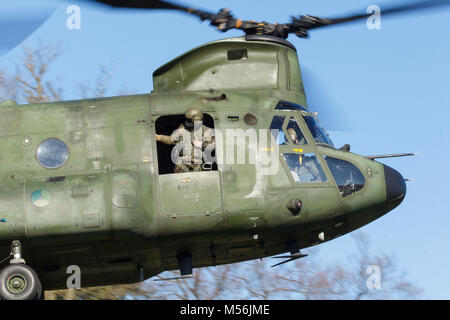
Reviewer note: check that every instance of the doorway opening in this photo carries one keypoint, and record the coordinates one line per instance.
(166, 125)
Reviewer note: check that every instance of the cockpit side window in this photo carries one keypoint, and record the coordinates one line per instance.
(304, 167)
(276, 127)
(347, 176)
(282, 132)
(319, 134)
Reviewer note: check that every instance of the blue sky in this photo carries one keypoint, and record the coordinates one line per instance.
(391, 86)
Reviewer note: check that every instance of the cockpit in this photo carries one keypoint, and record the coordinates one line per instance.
(297, 132)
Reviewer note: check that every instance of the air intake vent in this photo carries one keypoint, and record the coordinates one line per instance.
(237, 54)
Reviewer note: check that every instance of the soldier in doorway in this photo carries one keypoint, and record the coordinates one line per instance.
(190, 139)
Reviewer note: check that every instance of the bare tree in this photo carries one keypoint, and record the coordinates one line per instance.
(206, 284)
(349, 281)
(393, 282)
(100, 86)
(142, 290)
(8, 88)
(29, 83)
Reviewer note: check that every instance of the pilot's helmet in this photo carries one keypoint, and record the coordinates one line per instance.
(292, 134)
(194, 114)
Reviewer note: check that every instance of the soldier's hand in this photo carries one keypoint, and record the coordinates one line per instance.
(158, 137)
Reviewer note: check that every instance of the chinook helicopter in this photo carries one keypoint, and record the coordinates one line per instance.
(88, 183)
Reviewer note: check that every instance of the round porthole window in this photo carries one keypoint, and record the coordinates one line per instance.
(52, 153)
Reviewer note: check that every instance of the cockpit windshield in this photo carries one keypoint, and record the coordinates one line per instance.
(348, 177)
(318, 133)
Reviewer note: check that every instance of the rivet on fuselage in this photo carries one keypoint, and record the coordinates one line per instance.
(27, 141)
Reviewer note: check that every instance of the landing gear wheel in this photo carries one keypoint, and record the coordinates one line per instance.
(19, 282)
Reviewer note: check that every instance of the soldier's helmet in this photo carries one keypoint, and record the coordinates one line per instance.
(194, 114)
(292, 134)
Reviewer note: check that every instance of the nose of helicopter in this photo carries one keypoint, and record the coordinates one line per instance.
(395, 185)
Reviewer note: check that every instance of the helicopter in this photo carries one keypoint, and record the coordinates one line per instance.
(87, 183)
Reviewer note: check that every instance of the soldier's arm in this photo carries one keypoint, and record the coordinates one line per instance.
(209, 140)
(165, 139)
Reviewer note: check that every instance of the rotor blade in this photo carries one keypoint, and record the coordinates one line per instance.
(20, 18)
(405, 8)
(14, 31)
(154, 5)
